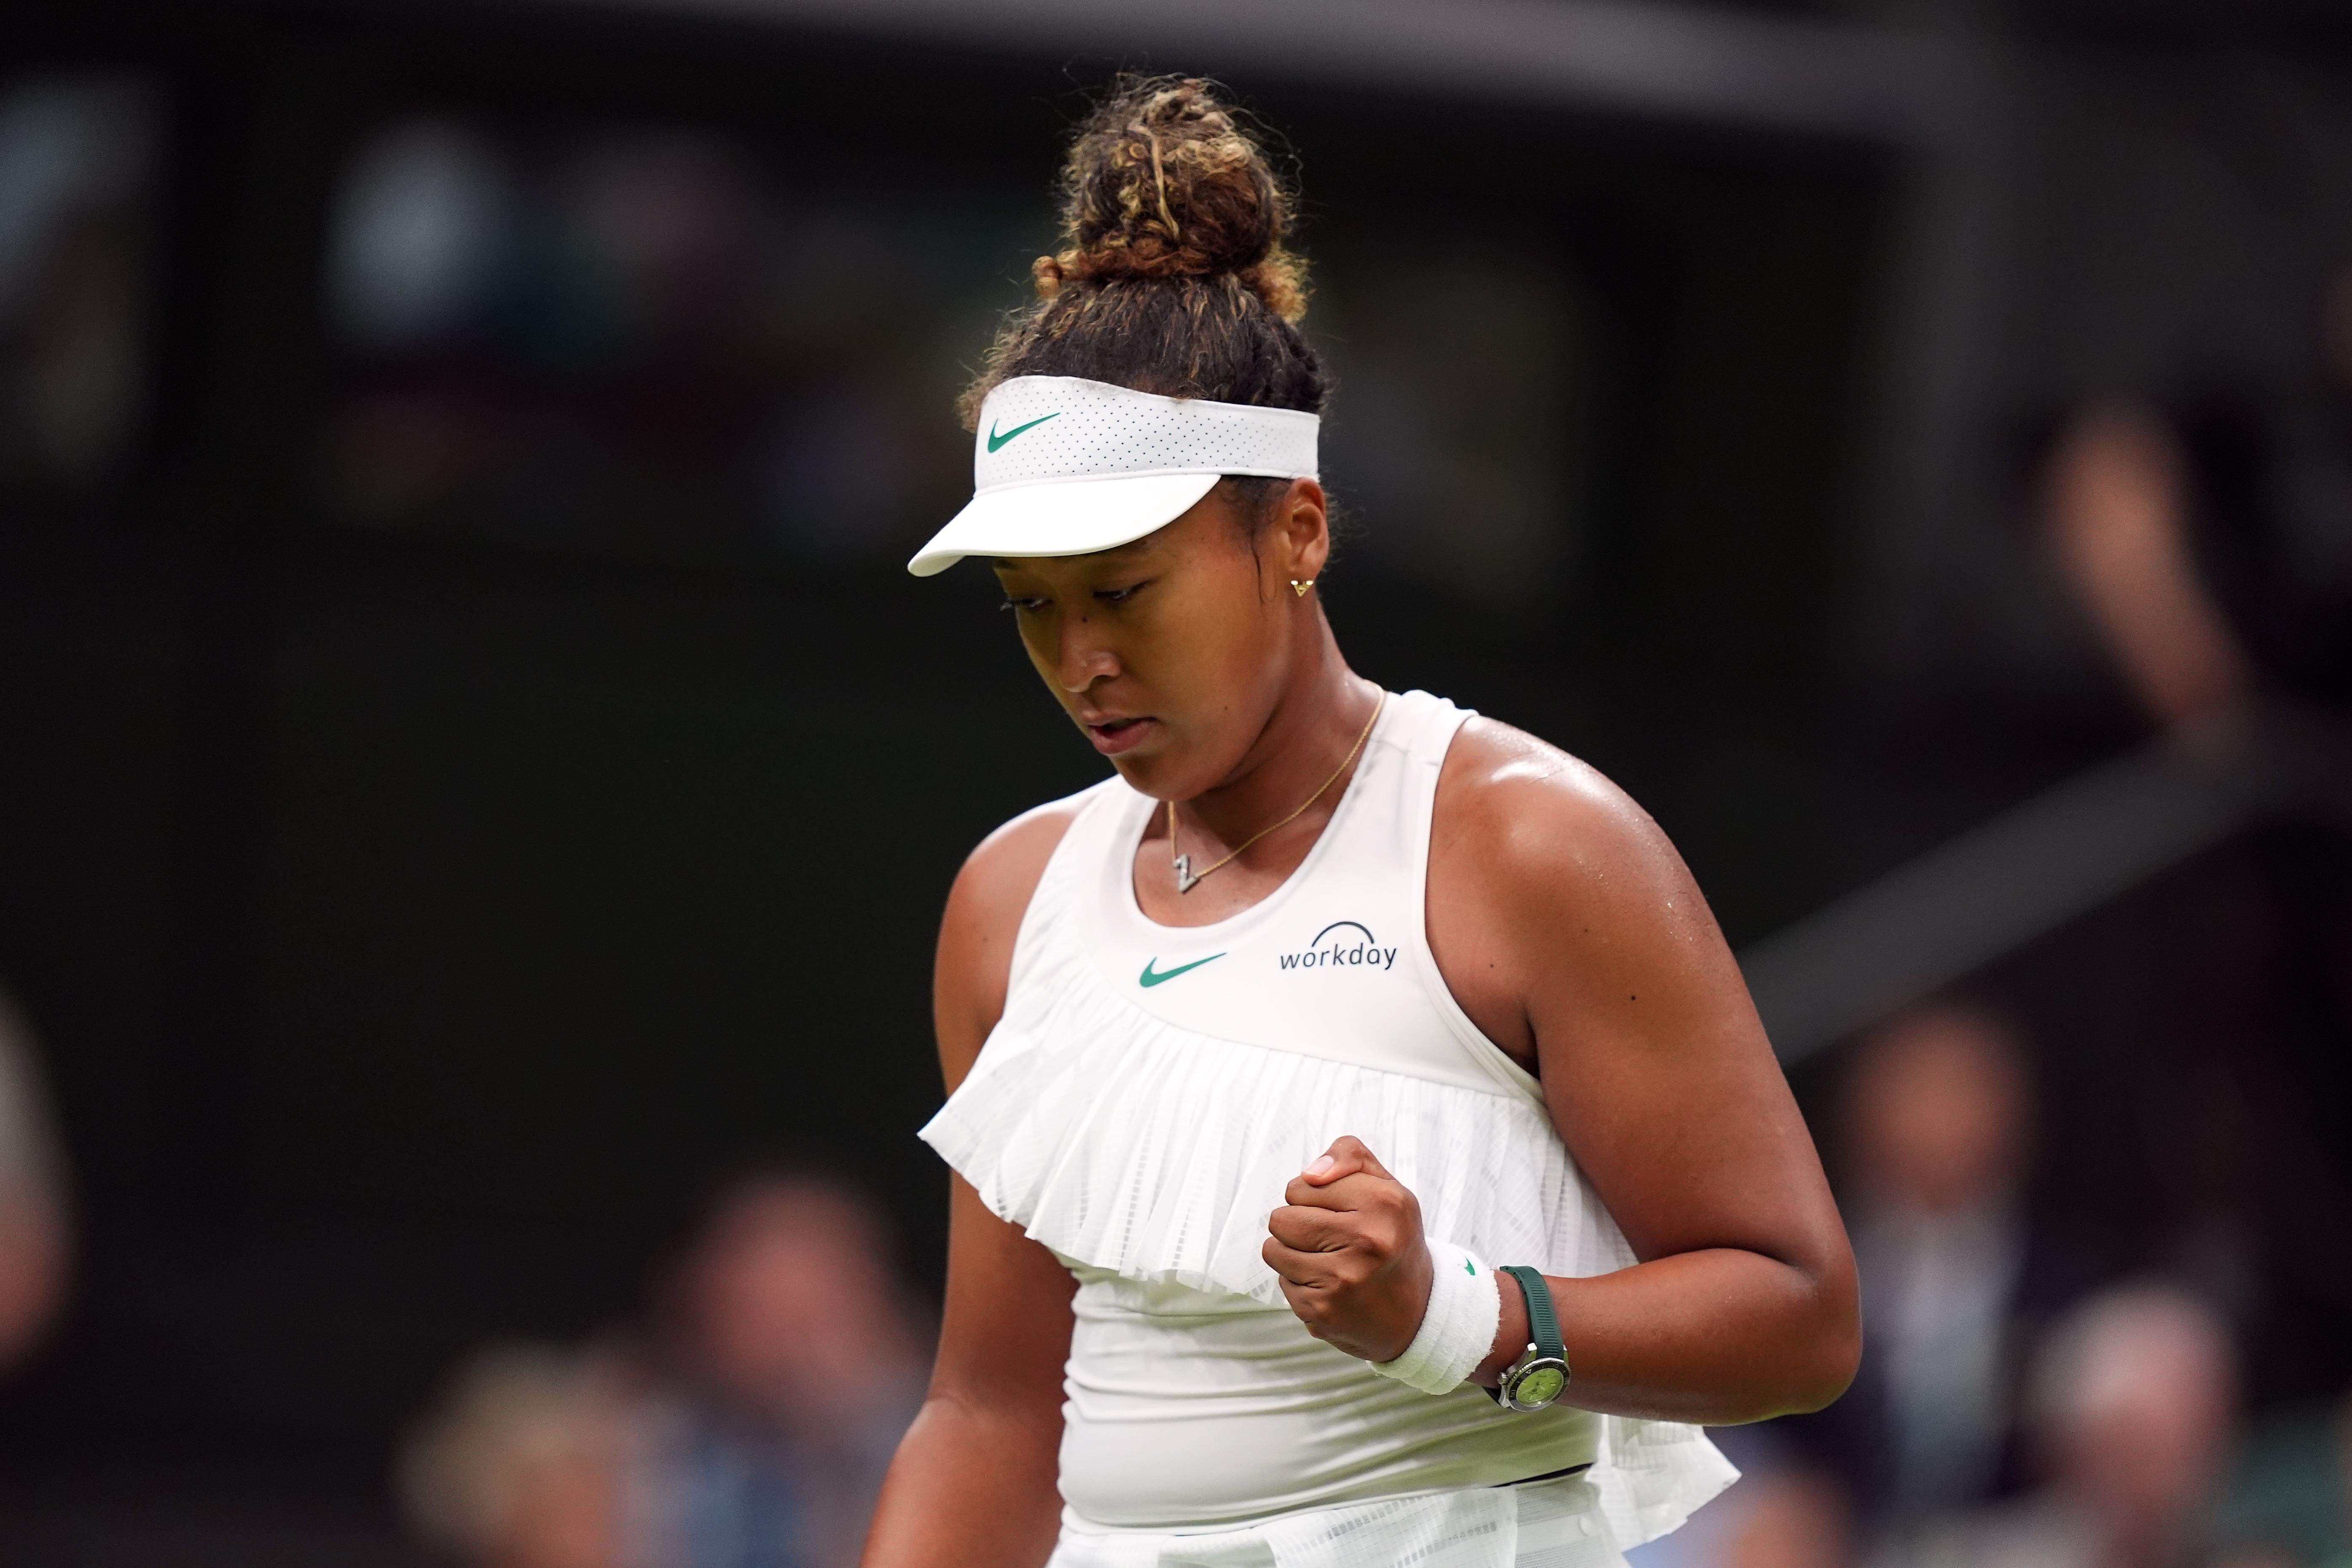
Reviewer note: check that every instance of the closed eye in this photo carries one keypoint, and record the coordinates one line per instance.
(1021, 606)
(1122, 596)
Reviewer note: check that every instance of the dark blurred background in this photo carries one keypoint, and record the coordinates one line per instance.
(477, 786)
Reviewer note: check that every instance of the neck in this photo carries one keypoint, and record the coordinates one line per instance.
(1322, 711)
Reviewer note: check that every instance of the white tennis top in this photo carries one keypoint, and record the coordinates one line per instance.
(1141, 1107)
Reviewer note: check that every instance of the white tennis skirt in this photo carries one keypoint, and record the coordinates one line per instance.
(1539, 1524)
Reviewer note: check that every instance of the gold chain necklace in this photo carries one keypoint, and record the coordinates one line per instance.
(1182, 864)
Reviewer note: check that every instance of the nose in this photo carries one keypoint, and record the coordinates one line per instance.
(1082, 657)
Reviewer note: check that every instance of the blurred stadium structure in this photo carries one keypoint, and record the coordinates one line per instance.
(1934, 921)
(471, 770)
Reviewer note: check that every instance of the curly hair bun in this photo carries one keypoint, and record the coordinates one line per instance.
(1174, 280)
(1163, 182)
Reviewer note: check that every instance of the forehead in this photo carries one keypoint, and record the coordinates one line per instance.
(1114, 559)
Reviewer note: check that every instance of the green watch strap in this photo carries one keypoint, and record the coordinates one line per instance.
(1543, 1325)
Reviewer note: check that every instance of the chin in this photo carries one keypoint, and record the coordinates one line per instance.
(1139, 771)
(1162, 770)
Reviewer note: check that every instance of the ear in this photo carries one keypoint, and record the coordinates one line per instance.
(1301, 531)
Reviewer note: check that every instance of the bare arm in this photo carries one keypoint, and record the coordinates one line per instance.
(1574, 937)
(974, 1482)
(2117, 509)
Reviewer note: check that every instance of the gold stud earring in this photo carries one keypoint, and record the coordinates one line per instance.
(1300, 588)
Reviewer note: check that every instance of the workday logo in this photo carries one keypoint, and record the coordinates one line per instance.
(1342, 944)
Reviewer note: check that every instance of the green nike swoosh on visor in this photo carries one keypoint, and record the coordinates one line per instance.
(995, 440)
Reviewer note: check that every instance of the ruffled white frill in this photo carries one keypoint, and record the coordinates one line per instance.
(1128, 1144)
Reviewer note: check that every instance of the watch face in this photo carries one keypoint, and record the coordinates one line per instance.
(1538, 1385)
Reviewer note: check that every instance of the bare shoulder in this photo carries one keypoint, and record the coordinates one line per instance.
(1003, 869)
(1552, 896)
(990, 894)
(1527, 810)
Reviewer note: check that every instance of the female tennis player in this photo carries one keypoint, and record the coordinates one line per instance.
(1366, 1151)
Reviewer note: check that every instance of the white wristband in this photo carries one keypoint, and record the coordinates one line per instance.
(1457, 1328)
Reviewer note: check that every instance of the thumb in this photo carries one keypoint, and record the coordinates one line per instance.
(1346, 1157)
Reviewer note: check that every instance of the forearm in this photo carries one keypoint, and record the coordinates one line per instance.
(1718, 1337)
(971, 1487)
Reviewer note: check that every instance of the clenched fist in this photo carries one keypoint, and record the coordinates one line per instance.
(1348, 1246)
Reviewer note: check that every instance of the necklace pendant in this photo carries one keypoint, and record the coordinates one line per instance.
(1185, 880)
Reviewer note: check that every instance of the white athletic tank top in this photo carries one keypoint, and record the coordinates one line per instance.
(1148, 1093)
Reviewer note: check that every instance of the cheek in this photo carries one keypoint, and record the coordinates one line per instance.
(1221, 636)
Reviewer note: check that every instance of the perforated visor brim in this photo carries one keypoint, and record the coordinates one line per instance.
(1062, 517)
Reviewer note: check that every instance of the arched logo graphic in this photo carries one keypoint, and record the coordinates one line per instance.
(1342, 944)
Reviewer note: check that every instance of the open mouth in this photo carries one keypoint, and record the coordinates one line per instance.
(1112, 736)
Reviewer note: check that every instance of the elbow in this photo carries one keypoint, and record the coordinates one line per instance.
(1805, 1379)
(1825, 1362)
(1828, 1371)
(1803, 1365)
(1815, 1350)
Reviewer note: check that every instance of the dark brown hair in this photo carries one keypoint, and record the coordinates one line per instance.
(1174, 278)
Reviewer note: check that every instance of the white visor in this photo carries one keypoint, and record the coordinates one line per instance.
(1066, 467)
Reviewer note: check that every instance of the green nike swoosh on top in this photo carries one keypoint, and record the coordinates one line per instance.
(995, 440)
(1147, 978)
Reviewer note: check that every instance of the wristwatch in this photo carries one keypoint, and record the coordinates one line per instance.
(1540, 1376)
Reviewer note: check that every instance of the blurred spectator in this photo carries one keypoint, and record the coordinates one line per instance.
(524, 1464)
(1937, 1111)
(1793, 1519)
(2290, 1500)
(1786, 1511)
(32, 1231)
(2211, 545)
(650, 336)
(797, 1367)
(1936, 1128)
(751, 1432)
(76, 157)
(2131, 1409)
